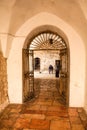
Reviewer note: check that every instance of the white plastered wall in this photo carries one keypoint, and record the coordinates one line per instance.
(46, 58)
(77, 59)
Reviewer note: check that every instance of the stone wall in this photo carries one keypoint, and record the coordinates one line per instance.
(47, 57)
(3, 82)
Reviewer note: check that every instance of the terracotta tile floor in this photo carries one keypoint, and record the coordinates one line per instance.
(46, 112)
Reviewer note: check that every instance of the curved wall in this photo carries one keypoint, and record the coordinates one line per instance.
(77, 58)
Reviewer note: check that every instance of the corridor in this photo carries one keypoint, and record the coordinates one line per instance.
(46, 112)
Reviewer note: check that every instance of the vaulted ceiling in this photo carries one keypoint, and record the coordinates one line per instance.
(13, 13)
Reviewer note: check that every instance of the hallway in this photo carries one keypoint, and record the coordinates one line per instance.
(46, 112)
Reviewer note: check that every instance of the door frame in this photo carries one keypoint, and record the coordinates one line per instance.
(28, 43)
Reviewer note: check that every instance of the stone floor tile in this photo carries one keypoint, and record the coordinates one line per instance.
(56, 118)
(40, 124)
(83, 115)
(57, 103)
(15, 110)
(38, 116)
(5, 129)
(58, 114)
(44, 99)
(73, 112)
(77, 127)
(33, 107)
(25, 116)
(14, 116)
(60, 128)
(57, 108)
(53, 118)
(49, 103)
(80, 109)
(75, 120)
(60, 125)
(4, 116)
(29, 129)
(14, 106)
(33, 112)
(85, 124)
(47, 111)
(22, 123)
(44, 107)
(6, 123)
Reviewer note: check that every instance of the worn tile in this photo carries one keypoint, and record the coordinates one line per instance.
(83, 115)
(40, 124)
(6, 123)
(22, 123)
(46, 112)
(57, 108)
(73, 112)
(44, 107)
(49, 103)
(57, 103)
(25, 116)
(77, 127)
(33, 107)
(55, 113)
(57, 118)
(38, 116)
(75, 120)
(60, 124)
(34, 112)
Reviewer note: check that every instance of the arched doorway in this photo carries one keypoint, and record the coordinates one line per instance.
(37, 63)
(46, 41)
(54, 24)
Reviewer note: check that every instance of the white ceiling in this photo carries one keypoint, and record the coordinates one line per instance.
(13, 13)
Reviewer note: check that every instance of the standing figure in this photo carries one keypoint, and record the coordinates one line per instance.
(50, 69)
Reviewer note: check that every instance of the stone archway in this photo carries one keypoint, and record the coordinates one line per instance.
(77, 69)
(58, 44)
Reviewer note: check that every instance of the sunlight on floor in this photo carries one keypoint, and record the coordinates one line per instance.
(44, 74)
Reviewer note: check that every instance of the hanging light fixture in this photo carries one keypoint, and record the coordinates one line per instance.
(51, 41)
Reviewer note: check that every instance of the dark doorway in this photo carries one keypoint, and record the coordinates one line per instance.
(37, 63)
(57, 68)
(42, 42)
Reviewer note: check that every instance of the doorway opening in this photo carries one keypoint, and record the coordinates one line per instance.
(37, 64)
(46, 48)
